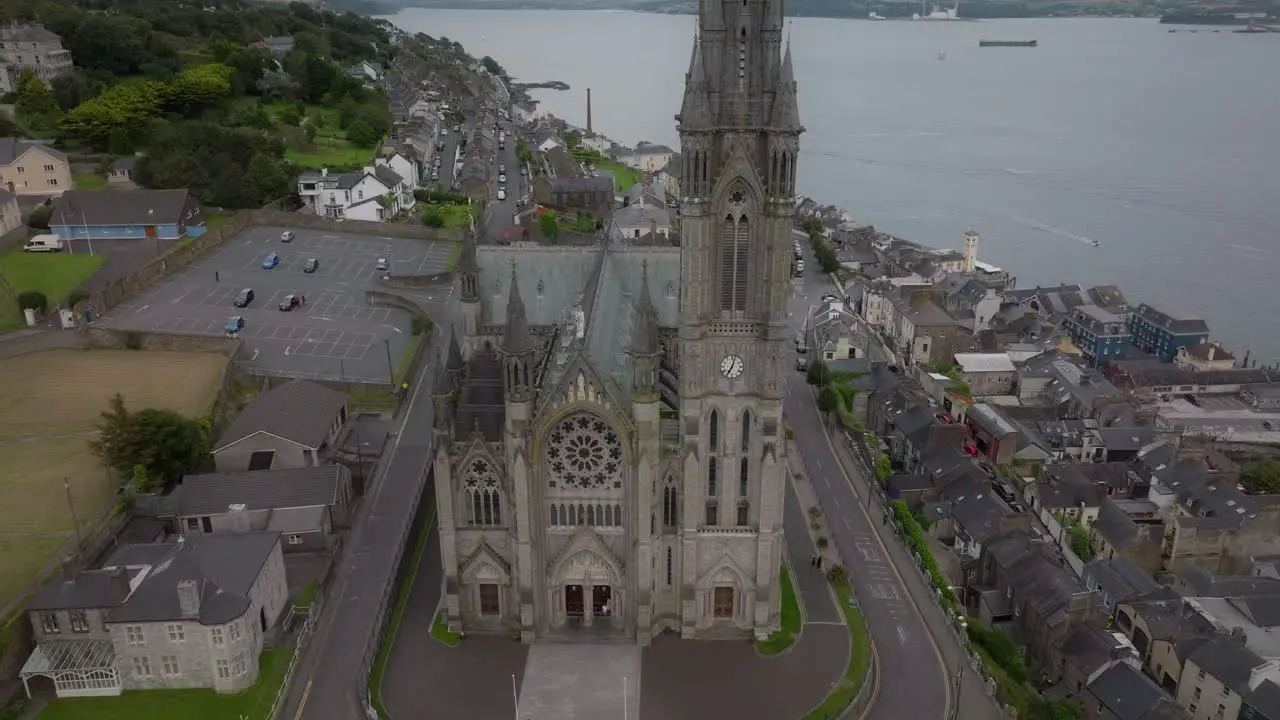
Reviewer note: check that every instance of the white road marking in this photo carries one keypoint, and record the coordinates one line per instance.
(393, 327)
(144, 307)
(847, 523)
(287, 348)
(836, 501)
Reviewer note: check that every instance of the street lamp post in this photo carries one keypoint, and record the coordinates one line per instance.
(391, 373)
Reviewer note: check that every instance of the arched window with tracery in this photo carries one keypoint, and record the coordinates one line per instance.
(746, 430)
(713, 479)
(483, 493)
(713, 430)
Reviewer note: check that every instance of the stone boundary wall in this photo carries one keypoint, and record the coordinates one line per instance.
(278, 218)
(414, 282)
(378, 297)
(116, 339)
(34, 342)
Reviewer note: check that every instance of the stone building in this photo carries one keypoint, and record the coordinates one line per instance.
(610, 456)
(31, 46)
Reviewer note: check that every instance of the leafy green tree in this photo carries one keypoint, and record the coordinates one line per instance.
(39, 218)
(315, 76)
(37, 106)
(1262, 476)
(123, 106)
(291, 116)
(573, 139)
(818, 374)
(549, 225)
(828, 400)
(362, 133)
(883, 468)
(166, 444)
(226, 166)
(277, 85)
(492, 66)
(198, 87)
(77, 86)
(115, 43)
(431, 217)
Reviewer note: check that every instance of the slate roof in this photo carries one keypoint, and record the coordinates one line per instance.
(596, 183)
(990, 420)
(1045, 585)
(300, 411)
(84, 590)
(1088, 647)
(640, 216)
(123, 207)
(1200, 351)
(975, 508)
(1175, 324)
(27, 33)
(1228, 660)
(1126, 692)
(224, 567)
(652, 149)
(1202, 583)
(1126, 439)
(1119, 577)
(1265, 699)
(387, 176)
(212, 493)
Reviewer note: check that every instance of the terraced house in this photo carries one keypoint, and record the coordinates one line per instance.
(33, 47)
(32, 168)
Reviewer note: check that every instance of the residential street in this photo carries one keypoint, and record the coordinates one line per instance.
(915, 648)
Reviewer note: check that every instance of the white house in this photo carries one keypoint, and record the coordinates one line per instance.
(597, 142)
(641, 218)
(364, 71)
(549, 143)
(404, 165)
(355, 196)
(648, 157)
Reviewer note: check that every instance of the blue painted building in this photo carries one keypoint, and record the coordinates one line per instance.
(1160, 333)
(126, 215)
(1101, 335)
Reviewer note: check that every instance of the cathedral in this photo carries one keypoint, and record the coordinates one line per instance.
(610, 457)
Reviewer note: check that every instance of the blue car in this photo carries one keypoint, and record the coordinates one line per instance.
(271, 261)
(234, 324)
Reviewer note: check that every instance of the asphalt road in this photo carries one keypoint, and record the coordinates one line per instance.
(328, 680)
(917, 652)
(502, 212)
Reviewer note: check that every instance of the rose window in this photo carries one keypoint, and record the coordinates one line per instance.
(583, 452)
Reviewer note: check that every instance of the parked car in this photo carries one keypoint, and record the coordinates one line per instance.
(233, 325)
(290, 302)
(311, 265)
(524, 171)
(502, 177)
(802, 348)
(286, 236)
(502, 193)
(244, 298)
(271, 261)
(802, 364)
(502, 168)
(382, 264)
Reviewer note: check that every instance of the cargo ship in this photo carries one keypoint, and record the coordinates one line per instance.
(1008, 43)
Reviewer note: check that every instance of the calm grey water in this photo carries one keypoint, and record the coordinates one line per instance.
(1161, 146)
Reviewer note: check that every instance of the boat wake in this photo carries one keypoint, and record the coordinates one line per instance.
(1045, 227)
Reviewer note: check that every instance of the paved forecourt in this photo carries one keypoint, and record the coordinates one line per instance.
(334, 334)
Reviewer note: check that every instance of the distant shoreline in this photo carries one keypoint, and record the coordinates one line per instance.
(691, 11)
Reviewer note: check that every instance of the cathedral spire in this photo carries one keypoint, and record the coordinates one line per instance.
(785, 114)
(644, 336)
(454, 362)
(516, 339)
(695, 111)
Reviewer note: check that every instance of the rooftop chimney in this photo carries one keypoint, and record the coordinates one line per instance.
(1213, 350)
(239, 514)
(189, 598)
(121, 574)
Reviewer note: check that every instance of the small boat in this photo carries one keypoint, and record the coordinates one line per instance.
(1095, 243)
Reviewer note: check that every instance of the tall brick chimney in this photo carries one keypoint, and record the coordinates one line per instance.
(589, 111)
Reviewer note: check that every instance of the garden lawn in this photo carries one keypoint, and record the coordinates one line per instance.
(455, 215)
(89, 181)
(253, 704)
(623, 176)
(786, 635)
(331, 149)
(847, 687)
(54, 274)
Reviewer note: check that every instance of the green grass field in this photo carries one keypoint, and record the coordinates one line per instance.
(786, 635)
(454, 215)
(254, 703)
(54, 274)
(331, 149)
(90, 181)
(623, 176)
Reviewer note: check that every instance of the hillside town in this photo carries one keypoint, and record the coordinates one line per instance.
(1087, 483)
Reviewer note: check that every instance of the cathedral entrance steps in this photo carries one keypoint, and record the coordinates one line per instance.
(597, 635)
(579, 681)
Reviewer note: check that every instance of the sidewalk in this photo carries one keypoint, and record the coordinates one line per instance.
(971, 700)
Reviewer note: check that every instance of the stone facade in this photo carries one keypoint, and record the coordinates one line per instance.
(610, 454)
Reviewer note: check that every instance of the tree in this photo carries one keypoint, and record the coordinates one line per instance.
(362, 133)
(828, 400)
(549, 225)
(165, 444)
(75, 87)
(492, 66)
(431, 217)
(883, 468)
(234, 167)
(37, 106)
(818, 374)
(39, 218)
(198, 87)
(1262, 476)
(572, 139)
(119, 108)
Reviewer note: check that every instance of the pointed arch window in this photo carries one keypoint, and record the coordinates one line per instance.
(712, 477)
(669, 563)
(744, 478)
(670, 504)
(713, 430)
(483, 494)
(735, 255)
(746, 430)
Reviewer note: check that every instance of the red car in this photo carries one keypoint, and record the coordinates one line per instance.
(290, 302)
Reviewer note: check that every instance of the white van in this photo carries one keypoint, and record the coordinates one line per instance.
(502, 194)
(43, 243)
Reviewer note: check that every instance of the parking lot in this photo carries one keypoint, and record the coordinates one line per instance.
(332, 333)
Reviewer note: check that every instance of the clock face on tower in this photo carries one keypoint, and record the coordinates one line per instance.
(732, 366)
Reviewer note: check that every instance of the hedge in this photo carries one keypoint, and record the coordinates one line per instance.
(916, 541)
